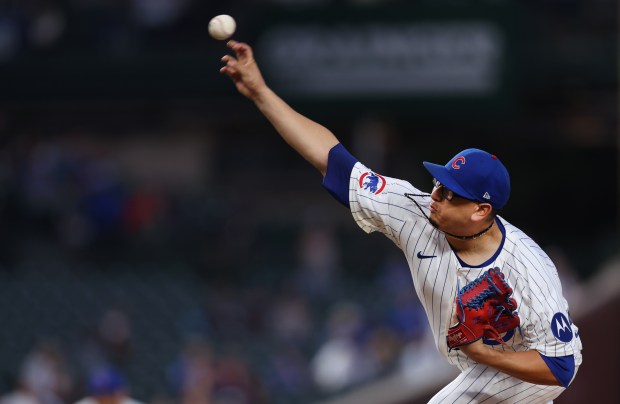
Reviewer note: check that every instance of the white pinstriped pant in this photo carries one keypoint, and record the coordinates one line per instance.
(482, 384)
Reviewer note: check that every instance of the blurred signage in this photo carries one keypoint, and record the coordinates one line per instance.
(384, 60)
(420, 56)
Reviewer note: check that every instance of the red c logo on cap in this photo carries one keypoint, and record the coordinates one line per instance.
(456, 161)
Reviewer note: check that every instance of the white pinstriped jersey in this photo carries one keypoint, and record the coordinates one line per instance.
(379, 204)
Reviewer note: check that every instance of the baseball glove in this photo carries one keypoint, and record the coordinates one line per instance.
(484, 308)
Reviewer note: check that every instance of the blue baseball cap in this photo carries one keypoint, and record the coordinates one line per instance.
(105, 380)
(474, 174)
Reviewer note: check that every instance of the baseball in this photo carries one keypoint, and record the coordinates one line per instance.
(222, 27)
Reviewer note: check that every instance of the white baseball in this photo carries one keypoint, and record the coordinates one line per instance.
(222, 27)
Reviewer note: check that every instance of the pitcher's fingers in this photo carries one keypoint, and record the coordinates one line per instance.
(231, 65)
(232, 74)
(234, 46)
(229, 70)
(228, 60)
(243, 50)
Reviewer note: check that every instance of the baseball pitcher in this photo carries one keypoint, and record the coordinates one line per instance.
(492, 296)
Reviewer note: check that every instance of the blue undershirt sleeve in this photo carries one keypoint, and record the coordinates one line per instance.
(562, 367)
(339, 166)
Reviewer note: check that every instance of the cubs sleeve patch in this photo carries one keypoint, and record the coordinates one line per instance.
(372, 182)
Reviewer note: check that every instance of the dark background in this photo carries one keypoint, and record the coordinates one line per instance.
(149, 210)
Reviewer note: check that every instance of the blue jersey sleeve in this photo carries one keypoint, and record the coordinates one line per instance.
(562, 367)
(339, 166)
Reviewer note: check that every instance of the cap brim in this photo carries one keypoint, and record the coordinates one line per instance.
(442, 175)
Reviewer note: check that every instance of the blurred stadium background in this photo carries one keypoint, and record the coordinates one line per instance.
(153, 221)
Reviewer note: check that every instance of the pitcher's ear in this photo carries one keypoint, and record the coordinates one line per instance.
(483, 211)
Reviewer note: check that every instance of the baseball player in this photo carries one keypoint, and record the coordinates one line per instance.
(451, 238)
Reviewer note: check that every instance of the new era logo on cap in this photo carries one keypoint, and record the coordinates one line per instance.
(475, 174)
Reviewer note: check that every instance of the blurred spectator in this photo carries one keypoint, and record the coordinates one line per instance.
(107, 386)
(288, 372)
(383, 349)
(420, 361)
(198, 377)
(43, 378)
(10, 38)
(235, 383)
(227, 312)
(115, 336)
(192, 375)
(340, 361)
(404, 313)
(20, 396)
(318, 259)
(141, 211)
(291, 319)
(105, 197)
(158, 13)
(47, 24)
